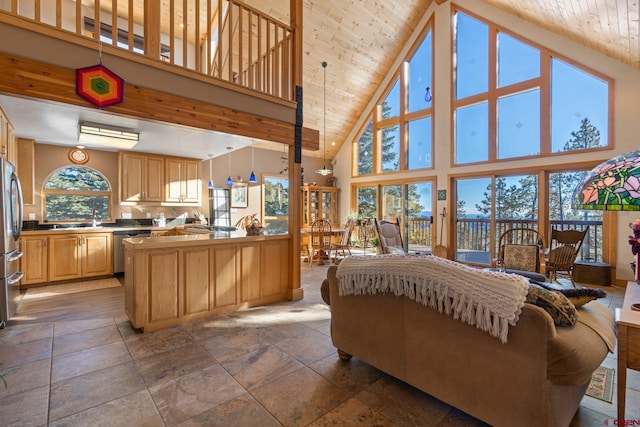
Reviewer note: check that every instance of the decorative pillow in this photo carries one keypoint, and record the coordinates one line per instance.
(521, 257)
(562, 311)
(578, 296)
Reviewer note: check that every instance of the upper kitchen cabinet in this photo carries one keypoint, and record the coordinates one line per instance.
(8, 145)
(182, 180)
(26, 168)
(141, 177)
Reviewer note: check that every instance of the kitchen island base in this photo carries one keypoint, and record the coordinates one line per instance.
(176, 279)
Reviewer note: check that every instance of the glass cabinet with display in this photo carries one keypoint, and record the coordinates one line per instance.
(319, 203)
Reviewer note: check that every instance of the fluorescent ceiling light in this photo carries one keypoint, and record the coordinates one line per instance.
(107, 136)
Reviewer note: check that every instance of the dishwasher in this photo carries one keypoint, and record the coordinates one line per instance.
(118, 248)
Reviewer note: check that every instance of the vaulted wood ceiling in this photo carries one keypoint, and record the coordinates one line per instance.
(360, 40)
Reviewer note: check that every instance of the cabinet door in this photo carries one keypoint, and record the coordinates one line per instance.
(65, 257)
(131, 177)
(192, 187)
(173, 180)
(154, 179)
(34, 261)
(97, 254)
(182, 181)
(197, 277)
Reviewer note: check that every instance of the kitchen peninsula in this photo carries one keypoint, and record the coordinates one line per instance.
(174, 279)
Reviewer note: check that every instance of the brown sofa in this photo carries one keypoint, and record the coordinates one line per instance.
(537, 378)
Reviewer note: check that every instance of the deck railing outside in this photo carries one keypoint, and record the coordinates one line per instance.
(474, 242)
(221, 39)
(474, 239)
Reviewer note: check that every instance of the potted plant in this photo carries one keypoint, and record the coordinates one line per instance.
(375, 242)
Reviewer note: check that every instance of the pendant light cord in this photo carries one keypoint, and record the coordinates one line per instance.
(324, 107)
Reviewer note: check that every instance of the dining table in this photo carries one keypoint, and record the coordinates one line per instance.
(336, 233)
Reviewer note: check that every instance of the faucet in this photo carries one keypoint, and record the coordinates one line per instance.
(95, 221)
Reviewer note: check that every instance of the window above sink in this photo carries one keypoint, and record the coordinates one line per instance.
(76, 194)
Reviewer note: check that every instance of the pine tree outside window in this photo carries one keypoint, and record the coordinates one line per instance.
(73, 193)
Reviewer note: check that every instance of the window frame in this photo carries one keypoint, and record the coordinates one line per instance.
(46, 192)
(401, 77)
(494, 93)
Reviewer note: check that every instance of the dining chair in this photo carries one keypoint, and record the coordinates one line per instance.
(344, 244)
(319, 241)
(521, 249)
(564, 249)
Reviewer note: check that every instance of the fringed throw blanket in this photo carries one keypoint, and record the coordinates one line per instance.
(490, 300)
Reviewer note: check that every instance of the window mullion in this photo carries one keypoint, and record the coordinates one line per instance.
(545, 104)
(492, 94)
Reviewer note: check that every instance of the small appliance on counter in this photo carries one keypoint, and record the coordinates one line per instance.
(160, 222)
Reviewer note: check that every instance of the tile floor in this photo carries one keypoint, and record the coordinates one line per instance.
(74, 360)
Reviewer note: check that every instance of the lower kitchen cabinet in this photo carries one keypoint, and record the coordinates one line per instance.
(34, 262)
(52, 258)
(76, 256)
(169, 282)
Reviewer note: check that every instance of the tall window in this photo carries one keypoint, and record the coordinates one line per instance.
(527, 103)
(488, 206)
(410, 202)
(74, 193)
(399, 135)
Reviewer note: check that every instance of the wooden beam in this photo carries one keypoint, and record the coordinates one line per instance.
(34, 79)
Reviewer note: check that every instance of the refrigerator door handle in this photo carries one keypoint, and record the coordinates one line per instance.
(15, 256)
(13, 280)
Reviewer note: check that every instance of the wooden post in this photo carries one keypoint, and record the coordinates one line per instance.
(151, 29)
(295, 190)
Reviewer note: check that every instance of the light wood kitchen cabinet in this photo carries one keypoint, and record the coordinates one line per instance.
(75, 256)
(182, 180)
(319, 203)
(141, 177)
(169, 282)
(34, 262)
(26, 170)
(8, 145)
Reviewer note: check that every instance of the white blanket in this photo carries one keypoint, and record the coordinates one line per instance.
(490, 300)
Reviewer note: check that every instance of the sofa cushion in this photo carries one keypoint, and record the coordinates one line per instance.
(578, 296)
(521, 257)
(562, 311)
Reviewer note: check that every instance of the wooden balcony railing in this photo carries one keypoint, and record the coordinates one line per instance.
(226, 40)
(474, 243)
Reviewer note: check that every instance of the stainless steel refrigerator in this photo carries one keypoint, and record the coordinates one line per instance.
(11, 225)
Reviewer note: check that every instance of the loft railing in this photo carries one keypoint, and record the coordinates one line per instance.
(226, 40)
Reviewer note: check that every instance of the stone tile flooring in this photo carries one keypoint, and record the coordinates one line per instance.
(74, 360)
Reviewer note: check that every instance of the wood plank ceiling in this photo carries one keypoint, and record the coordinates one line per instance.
(360, 40)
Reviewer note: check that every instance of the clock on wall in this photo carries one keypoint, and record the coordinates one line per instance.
(78, 156)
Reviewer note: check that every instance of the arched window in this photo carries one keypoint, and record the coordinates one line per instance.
(74, 193)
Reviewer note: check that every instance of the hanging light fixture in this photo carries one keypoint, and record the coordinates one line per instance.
(210, 185)
(229, 180)
(252, 177)
(613, 185)
(324, 171)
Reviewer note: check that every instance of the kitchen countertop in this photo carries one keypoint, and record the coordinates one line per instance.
(206, 238)
(98, 229)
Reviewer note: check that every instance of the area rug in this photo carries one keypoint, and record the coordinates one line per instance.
(601, 385)
(69, 288)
